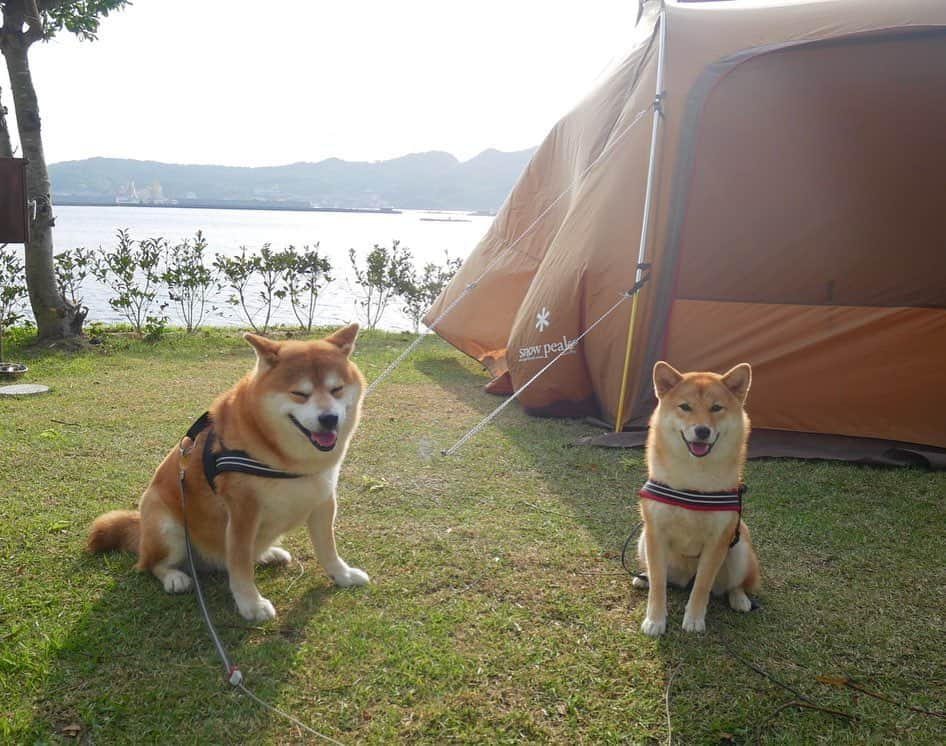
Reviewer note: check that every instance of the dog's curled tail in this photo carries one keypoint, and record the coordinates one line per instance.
(115, 530)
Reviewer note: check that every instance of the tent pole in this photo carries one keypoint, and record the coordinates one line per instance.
(645, 224)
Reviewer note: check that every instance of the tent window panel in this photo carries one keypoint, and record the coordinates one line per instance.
(819, 178)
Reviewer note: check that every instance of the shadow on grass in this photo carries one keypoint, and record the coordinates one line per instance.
(570, 471)
(141, 661)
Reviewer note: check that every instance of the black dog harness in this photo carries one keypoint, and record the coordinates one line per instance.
(228, 460)
(727, 500)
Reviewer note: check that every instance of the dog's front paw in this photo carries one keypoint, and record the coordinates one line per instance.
(275, 556)
(346, 577)
(640, 581)
(175, 581)
(260, 610)
(653, 627)
(693, 623)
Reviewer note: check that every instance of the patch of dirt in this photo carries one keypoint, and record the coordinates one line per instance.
(69, 344)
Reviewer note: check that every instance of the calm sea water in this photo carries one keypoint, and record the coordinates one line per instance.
(227, 230)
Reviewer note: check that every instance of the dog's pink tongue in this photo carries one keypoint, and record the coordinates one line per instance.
(699, 449)
(326, 440)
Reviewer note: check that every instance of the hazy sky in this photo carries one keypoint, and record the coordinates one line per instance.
(265, 83)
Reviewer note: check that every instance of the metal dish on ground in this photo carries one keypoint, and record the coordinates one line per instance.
(12, 370)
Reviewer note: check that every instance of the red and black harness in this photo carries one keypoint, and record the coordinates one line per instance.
(726, 500)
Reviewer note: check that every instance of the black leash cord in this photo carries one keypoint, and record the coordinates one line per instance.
(634, 532)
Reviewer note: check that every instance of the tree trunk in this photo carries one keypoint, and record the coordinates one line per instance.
(55, 318)
(6, 147)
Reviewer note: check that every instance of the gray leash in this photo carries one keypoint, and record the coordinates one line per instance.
(233, 674)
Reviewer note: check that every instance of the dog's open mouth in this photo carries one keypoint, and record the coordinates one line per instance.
(324, 440)
(699, 448)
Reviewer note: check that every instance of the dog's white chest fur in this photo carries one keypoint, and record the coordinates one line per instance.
(287, 503)
(687, 530)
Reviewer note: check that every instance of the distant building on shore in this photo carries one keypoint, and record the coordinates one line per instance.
(128, 194)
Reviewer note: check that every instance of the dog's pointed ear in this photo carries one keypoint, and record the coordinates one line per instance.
(267, 351)
(738, 380)
(665, 378)
(344, 338)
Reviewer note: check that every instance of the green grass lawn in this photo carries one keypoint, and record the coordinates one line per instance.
(498, 610)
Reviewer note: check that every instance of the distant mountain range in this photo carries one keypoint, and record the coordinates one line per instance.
(429, 181)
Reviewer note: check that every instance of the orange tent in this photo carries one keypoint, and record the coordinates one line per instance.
(795, 190)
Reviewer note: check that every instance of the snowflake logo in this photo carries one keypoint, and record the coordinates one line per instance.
(542, 319)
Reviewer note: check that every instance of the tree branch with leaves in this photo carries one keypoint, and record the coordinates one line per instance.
(380, 279)
(133, 271)
(12, 290)
(189, 280)
(306, 273)
(419, 291)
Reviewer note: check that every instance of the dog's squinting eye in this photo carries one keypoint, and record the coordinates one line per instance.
(337, 391)
(300, 394)
(686, 407)
(716, 408)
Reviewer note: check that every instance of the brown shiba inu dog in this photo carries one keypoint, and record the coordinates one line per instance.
(691, 504)
(293, 415)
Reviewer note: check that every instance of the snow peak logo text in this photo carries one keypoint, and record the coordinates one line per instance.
(546, 350)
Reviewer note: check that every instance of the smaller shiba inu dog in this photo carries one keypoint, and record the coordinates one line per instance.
(296, 412)
(692, 503)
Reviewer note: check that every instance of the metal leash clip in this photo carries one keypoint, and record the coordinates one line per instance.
(183, 456)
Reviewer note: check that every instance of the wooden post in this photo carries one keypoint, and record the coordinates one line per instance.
(14, 212)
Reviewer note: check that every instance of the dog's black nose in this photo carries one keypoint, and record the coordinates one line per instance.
(701, 431)
(328, 421)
